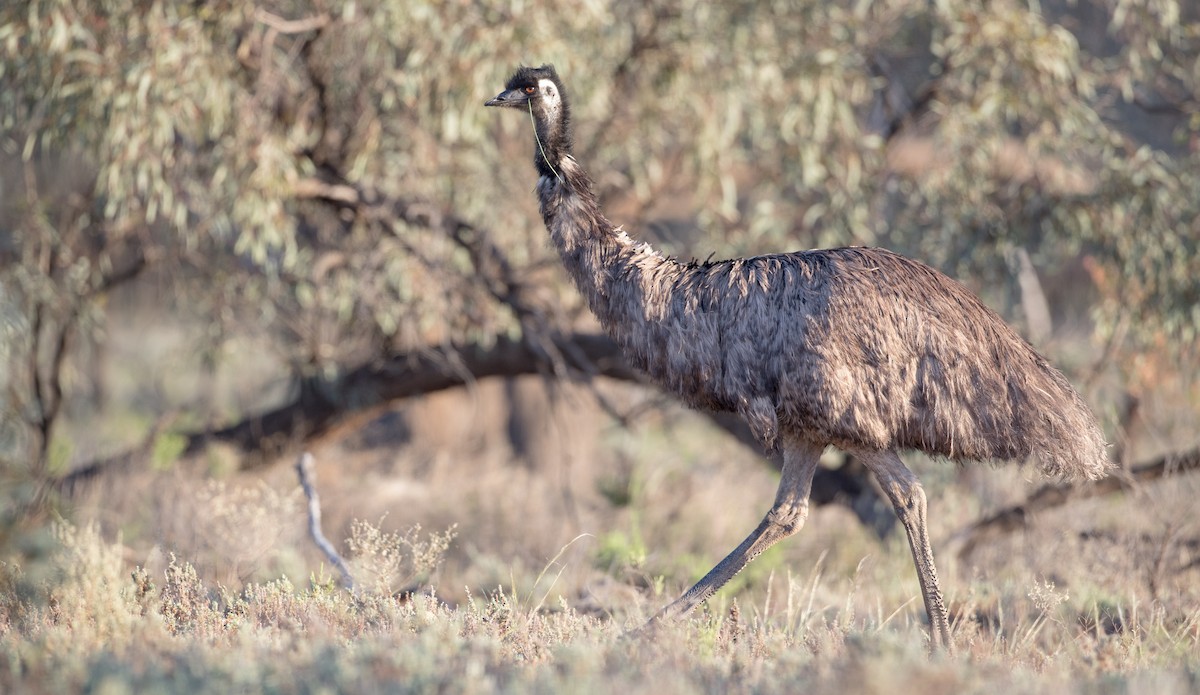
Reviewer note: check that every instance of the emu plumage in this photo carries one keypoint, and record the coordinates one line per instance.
(858, 348)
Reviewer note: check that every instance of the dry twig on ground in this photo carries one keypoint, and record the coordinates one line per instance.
(305, 469)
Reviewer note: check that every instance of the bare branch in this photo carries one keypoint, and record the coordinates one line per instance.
(493, 268)
(895, 108)
(316, 188)
(363, 393)
(305, 469)
(363, 390)
(291, 26)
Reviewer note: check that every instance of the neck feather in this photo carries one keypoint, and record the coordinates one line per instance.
(551, 146)
(604, 262)
(551, 115)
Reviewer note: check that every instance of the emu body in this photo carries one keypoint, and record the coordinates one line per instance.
(858, 348)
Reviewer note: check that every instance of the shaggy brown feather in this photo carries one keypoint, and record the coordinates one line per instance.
(854, 347)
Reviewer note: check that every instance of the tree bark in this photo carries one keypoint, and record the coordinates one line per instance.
(360, 394)
(361, 391)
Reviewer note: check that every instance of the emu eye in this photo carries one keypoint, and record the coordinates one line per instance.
(529, 90)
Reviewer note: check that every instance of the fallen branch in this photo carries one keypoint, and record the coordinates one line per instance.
(1018, 516)
(292, 26)
(308, 482)
(363, 391)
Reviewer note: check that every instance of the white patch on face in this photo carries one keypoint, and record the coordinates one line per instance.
(551, 97)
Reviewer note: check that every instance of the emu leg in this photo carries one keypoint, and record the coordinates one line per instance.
(786, 517)
(908, 497)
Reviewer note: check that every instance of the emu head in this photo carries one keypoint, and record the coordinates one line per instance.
(536, 89)
(539, 91)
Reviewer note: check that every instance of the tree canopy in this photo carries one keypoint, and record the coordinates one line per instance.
(328, 170)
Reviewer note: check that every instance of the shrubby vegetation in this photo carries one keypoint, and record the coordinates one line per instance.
(91, 626)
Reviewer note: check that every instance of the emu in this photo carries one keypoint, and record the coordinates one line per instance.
(857, 348)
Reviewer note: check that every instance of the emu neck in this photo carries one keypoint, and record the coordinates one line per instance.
(604, 262)
(552, 142)
(607, 266)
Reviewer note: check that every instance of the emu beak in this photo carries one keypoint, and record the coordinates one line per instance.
(509, 97)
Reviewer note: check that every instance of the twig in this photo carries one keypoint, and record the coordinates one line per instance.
(308, 479)
(292, 26)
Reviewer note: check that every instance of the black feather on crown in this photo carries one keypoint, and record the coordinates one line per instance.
(526, 76)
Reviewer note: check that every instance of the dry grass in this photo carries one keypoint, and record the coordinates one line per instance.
(212, 586)
(96, 625)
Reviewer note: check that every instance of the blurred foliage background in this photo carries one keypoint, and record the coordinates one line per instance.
(322, 177)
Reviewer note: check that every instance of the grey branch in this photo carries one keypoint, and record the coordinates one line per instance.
(308, 481)
(292, 26)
